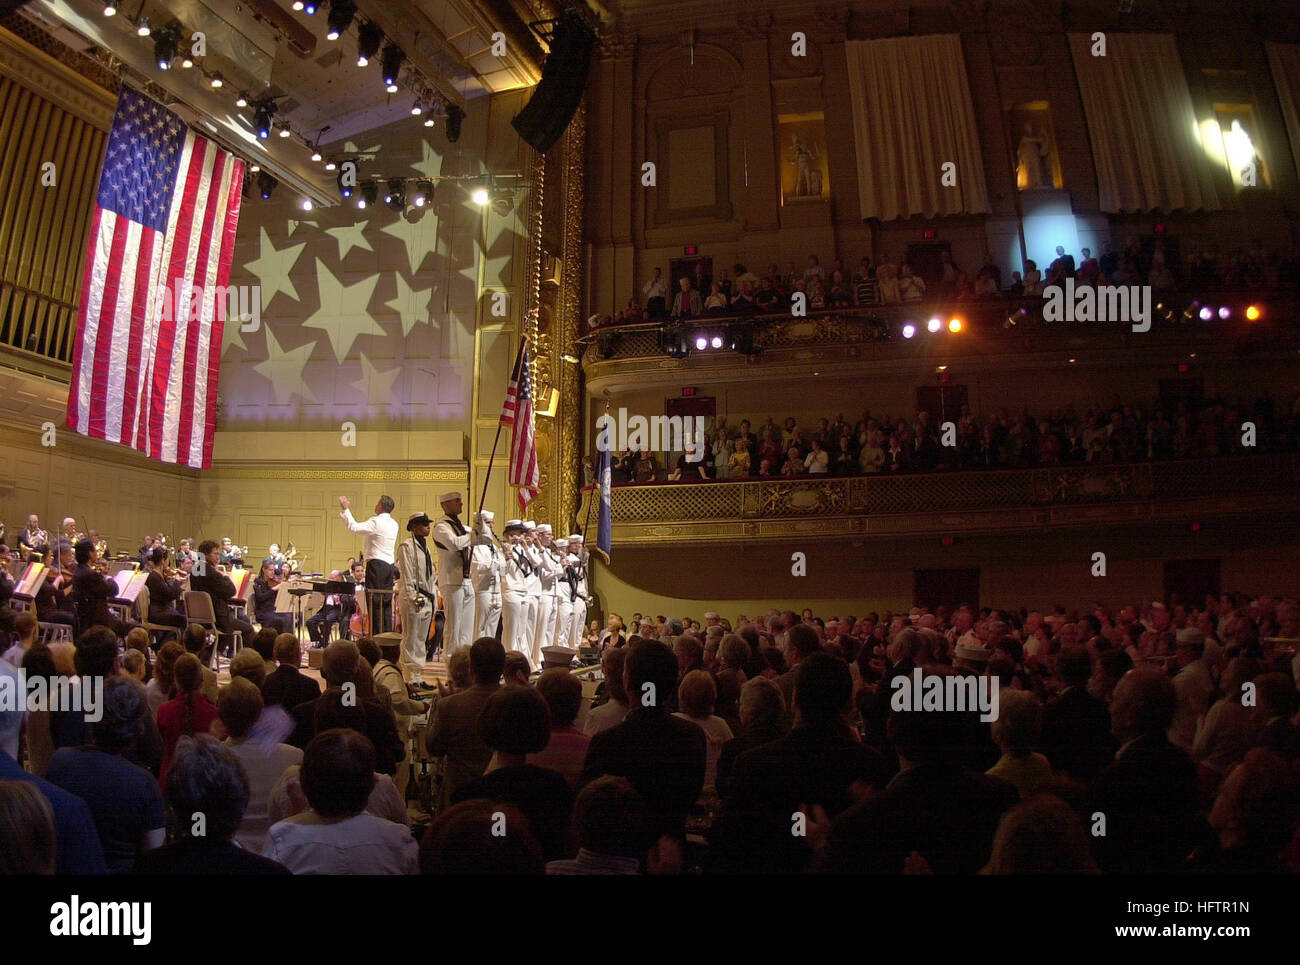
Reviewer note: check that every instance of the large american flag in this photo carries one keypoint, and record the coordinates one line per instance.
(144, 368)
(518, 412)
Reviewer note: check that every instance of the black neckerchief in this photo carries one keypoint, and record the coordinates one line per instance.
(459, 529)
(428, 561)
(522, 558)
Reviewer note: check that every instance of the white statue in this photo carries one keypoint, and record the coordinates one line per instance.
(808, 179)
(1031, 154)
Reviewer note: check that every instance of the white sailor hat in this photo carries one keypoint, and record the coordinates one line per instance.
(543, 527)
(448, 497)
(561, 542)
(575, 537)
(514, 524)
(530, 525)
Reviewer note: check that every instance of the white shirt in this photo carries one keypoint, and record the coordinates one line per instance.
(380, 535)
(264, 764)
(361, 845)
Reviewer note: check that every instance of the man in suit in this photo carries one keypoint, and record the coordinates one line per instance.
(819, 764)
(933, 806)
(662, 755)
(1148, 796)
(206, 578)
(287, 685)
(454, 731)
(340, 663)
(801, 642)
(319, 623)
(1076, 725)
(92, 591)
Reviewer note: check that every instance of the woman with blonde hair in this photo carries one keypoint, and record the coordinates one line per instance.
(162, 687)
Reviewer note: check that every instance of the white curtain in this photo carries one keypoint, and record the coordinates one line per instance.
(1145, 141)
(912, 114)
(1284, 60)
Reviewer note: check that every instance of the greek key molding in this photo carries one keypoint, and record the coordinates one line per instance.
(373, 475)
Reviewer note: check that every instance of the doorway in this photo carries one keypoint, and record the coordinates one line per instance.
(951, 588)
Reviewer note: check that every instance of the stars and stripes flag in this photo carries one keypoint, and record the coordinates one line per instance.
(154, 295)
(518, 413)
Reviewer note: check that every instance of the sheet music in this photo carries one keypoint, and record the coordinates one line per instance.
(32, 580)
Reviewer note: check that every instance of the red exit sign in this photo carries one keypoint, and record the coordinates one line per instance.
(688, 391)
(928, 234)
(691, 250)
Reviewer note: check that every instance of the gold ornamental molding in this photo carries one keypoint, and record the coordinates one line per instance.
(397, 474)
(55, 82)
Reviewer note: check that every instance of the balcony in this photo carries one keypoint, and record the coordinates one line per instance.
(980, 501)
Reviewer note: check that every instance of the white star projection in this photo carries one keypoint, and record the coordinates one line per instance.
(419, 237)
(272, 268)
(284, 370)
(411, 304)
(350, 236)
(344, 311)
(375, 386)
(430, 163)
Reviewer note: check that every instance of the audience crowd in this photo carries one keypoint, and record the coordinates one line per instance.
(705, 744)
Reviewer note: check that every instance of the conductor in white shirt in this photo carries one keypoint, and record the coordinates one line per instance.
(380, 532)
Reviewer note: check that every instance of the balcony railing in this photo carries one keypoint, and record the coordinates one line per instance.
(977, 501)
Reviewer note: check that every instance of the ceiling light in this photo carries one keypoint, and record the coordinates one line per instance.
(241, 100)
(306, 204)
(330, 165)
(480, 196)
(934, 324)
(267, 183)
(316, 155)
(309, 7)
(701, 343)
(423, 193)
(369, 191)
(395, 198)
(216, 80)
(369, 37)
(909, 330)
(187, 61)
(428, 121)
(263, 119)
(142, 29)
(340, 17)
(254, 168)
(416, 109)
(284, 130)
(297, 4)
(392, 65)
(110, 9)
(164, 48)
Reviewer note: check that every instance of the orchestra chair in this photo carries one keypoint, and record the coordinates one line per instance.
(198, 609)
(142, 601)
(53, 633)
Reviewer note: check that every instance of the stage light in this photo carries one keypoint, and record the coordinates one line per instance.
(396, 196)
(263, 120)
(392, 65)
(142, 29)
(297, 4)
(254, 167)
(164, 48)
(369, 37)
(369, 191)
(1252, 313)
(454, 116)
(428, 121)
(216, 80)
(416, 109)
(306, 204)
(955, 325)
(423, 193)
(241, 100)
(340, 17)
(701, 343)
(1225, 312)
(110, 9)
(187, 61)
(934, 324)
(1207, 313)
(284, 129)
(909, 330)
(267, 183)
(316, 155)
(309, 7)
(480, 196)
(716, 341)
(330, 165)
(345, 190)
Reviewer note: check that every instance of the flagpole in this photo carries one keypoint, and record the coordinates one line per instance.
(487, 477)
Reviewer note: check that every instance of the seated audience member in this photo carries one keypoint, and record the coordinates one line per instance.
(337, 835)
(186, 714)
(1255, 816)
(123, 798)
(663, 757)
(610, 819)
(1076, 725)
(762, 709)
(516, 670)
(27, 823)
(819, 768)
(1193, 685)
(515, 723)
(288, 686)
(1016, 730)
(77, 841)
(207, 790)
(25, 630)
(1149, 793)
(454, 731)
(264, 761)
(465, 839)
(1275, 705)
(1230, 728)
(196, 642)
(614, 710)
(567, 748)
(162, 687)
(934, 806)
(696, 696)
(1042, 836)
(248, 665)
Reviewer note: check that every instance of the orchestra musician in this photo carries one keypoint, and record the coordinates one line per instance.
(265, 590)
(319, 623)
(357, 615)
(33, 537)
(230, 555)
(101, 545)
(70, 531)
(92, 591)
(165, 589)
(146, 551)
(207, 578)
(54, 598)
(186, 551)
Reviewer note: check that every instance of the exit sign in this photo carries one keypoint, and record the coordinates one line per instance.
(928, 235)
(688, 391)
(691, 250)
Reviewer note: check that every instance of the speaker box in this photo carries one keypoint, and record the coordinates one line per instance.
(564, 78)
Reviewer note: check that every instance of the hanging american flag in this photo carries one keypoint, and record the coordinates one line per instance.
(154, 296)
(518, 412)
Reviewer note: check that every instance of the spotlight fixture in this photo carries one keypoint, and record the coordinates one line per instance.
(716, 341)
(416, 109)
(909, 330)
(369, 191)
(1252, 313)
(309, 7)
(480, 196)
(164, 48)
(110, 9)
(263, 119)
(454, 116)
(142, 29)
(187, 61)
(1207, 313)
(306, 204)
(345, 190)
(267, 184)
(391, 63)
(297, 4)
(955, 325)
(423, 193)
(934, 324)
(316, 155)
(428, 121)
(216, 80)
(254, 168)
(284, 129)
(330, 165)
(340, 18)
(1225, 312)
(369, 37)
(395, 198)
(241, 100)
(701, 343)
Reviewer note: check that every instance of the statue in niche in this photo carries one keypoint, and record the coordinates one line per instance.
(808, 177)
(1031, 158)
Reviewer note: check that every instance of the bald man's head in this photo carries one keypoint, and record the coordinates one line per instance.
(1143, 704)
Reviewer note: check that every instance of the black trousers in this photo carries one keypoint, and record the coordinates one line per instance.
(379, 576)
(318, 624)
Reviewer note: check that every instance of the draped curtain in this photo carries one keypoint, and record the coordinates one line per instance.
(912, 113)
(1145, 143)
(1284, 61)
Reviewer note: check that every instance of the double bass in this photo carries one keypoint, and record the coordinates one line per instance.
(359, 622)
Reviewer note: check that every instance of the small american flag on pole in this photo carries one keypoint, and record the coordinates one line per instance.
(518, 413)
(153, 300)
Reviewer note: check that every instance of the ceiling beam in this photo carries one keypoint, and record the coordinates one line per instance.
(402, 23)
